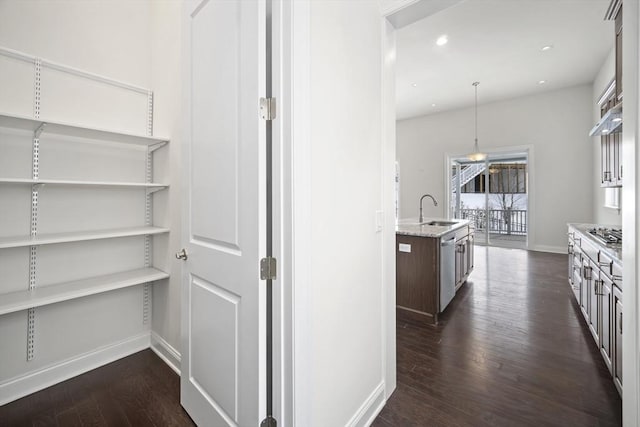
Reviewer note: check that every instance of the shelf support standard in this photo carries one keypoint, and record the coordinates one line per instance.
(148, 211)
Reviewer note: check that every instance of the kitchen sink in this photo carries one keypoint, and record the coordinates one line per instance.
(441, 223)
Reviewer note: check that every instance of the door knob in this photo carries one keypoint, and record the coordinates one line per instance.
(182, 254)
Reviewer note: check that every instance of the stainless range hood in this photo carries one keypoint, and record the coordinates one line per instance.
(610, 123)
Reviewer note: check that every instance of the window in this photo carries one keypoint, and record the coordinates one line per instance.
(612, 198)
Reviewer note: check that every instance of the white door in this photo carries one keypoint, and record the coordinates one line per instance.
(224, 227)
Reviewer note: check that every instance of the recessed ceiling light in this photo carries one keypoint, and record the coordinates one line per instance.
(605, 130)
(547, 47)
(414, 84)
(541, 82)
(433, 105)
(617, 119)
(442, 40)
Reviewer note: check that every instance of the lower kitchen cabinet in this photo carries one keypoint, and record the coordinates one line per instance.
(594, 311)
(419, 282)
(585, 297)
(464, 255)
(617, 338)
(605, 300)
(596, 281)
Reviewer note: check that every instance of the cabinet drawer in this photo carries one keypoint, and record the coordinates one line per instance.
(590, 250)
(616, 274)
(462, 233)
(606, 263)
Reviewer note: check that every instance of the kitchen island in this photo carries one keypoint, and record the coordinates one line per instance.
(433, 259)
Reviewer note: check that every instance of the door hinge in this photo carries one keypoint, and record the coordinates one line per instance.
(269, 422)
(268, 108)
(268, 268)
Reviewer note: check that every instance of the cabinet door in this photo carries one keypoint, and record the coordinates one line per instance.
(585, 301)
(459, 263)
(593, 306)
(605, 162)
(618, 29)
(616, 159)
(617, 339)
(605, 303)
(470, 260)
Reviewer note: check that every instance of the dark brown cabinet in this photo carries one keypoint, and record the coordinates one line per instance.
(418, 261)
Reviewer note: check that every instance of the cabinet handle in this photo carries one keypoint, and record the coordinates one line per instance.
(585, 275)
(607, 176)
(570, 249)
(620, 171)
(617, 277)
(620, 323)
(595, 287)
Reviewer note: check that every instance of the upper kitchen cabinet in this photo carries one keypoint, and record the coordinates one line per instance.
(609, 127)
(614, 13)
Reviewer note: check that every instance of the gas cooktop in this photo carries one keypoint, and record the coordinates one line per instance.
(608, 236)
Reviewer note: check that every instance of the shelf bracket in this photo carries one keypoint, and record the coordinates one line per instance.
(38, 131)
(155, 189)
(157, 145)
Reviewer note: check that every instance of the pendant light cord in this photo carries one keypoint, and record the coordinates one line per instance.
(476, 139)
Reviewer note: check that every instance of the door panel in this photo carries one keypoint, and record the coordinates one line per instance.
(617, 326)
(215, 66)
(606, 300)
(222, 382)
(593, 307)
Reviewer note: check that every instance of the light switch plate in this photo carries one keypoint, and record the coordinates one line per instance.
(379, 221)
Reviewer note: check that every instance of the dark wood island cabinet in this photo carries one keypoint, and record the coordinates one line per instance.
(418, 264)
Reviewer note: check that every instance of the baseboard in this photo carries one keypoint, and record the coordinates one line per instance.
(166, 352)
(369, 409)
(23, 385)
(551, 249)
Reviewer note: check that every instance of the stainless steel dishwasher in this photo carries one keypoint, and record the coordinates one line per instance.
(447, 270)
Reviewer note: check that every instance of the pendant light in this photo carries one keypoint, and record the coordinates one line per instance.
(477, 155)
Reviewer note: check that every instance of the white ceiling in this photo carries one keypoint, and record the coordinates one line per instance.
(498, 43)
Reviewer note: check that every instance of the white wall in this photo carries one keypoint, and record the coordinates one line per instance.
(344, 358)
(166, 81)
(602, 215)
(555, 124)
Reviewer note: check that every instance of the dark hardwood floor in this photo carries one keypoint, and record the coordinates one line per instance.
(512, 350)
(139, 390)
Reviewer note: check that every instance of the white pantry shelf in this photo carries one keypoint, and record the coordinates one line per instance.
(53, 238)
(22, 300)
(58, 128)
(72, 183)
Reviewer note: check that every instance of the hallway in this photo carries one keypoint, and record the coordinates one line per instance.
(512, 350)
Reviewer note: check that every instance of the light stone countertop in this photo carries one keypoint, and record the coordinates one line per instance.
(614, 251)
(411, 227)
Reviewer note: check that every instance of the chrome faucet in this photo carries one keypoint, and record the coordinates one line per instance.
(435, 203)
